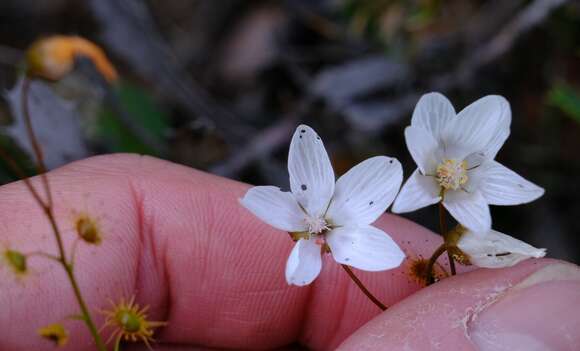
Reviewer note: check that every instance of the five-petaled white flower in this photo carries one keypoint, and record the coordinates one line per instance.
(496, 250)
(328, 216)
(455, 158)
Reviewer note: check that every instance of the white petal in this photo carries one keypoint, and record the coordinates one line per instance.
(502, 186)
(366, 191)
(419, 191)
(432, 113)
(304, 263)
(311, 174)
(275, 207)
(496, 250)
(501, 133)
(477, 165)
(367, 248)
(469, 209)
(482, 126)
(423, 148)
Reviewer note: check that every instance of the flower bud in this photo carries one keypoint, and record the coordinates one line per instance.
(16, 261)
(88, 229)
(54, 57)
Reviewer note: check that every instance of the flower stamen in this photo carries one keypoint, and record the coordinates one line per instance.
(316, 225)
(451, 174)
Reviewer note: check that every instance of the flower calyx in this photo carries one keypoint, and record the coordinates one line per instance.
(451, 242)
(16, 260)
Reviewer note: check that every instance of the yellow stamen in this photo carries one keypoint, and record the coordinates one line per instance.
(451, 174)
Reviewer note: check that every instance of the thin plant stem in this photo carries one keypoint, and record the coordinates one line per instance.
(48, 209)
(443, 230)
(68, 267)
(363, 288)
(61, 258)
(20, 174)
(34, 140)
(429, 276)
(45, 255)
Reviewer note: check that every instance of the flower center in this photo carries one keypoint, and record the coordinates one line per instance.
(452, 174)
(316, 225)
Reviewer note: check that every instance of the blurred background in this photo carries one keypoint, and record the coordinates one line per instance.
(221, 85)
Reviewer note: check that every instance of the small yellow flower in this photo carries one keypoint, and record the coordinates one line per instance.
(88, 228)
(16, 261)
(130, 323)
(55, 333)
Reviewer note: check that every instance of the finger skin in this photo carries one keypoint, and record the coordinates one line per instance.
(532, 306)
(178, 240)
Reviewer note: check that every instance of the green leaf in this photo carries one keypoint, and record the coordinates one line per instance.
(140, 107)
(567, 99)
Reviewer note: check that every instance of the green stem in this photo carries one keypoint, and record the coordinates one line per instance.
(47, 207)
(45, 255)
(70, 274)
(363, 288)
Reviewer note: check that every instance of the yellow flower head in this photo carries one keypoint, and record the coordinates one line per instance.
(130, 323)
(55, 333)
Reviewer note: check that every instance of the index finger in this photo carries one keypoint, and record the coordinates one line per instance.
(178, 240)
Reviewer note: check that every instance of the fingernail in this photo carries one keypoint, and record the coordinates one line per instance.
(542, 312)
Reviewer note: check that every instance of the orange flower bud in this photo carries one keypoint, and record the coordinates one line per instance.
(53, 57)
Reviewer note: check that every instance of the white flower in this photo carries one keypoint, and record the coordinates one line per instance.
(455, 158)
(496, 250)
(327, 214)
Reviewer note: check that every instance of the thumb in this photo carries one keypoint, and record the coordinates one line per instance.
(532, 306)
